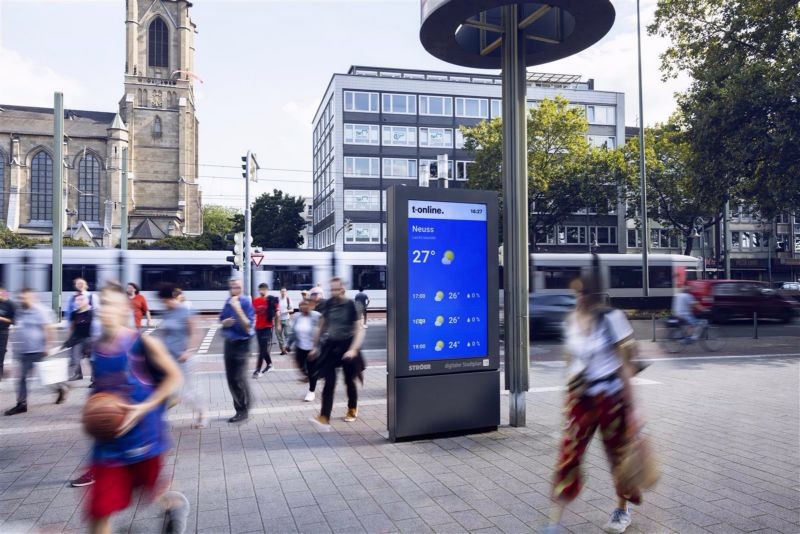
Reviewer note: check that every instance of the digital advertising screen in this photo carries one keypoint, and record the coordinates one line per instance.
(447, 281)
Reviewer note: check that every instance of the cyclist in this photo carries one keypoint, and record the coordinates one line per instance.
(683, 305)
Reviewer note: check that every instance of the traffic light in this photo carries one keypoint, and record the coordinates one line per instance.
(348, 225)
(237, 259)
(249, 167)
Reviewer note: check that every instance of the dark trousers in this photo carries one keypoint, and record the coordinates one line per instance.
(3, 345)
(81, 349)
(264, 337)
(26, 361)
(306, 366)
(236, 353)
(332, 353)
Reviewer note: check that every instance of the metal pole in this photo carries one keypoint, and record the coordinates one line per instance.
(58, 197)
(643, 176)
(703, 250)
(123, 222)
(755, 325)
(769, 255)
(246, 262)
(515, 217)
(726, 236)
(653, 319)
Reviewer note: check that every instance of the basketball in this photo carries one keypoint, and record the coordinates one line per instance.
(102, 416)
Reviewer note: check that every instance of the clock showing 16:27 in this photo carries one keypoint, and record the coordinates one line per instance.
(447, 280)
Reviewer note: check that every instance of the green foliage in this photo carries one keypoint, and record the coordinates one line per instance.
(9, 239)
(677, 189)
(565, 174)
(277, 220)
(742, 115)
(72, 242)
(218, 220)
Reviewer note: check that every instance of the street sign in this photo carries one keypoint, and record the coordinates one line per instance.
(257, 258)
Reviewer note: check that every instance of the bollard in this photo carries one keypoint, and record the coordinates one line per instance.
(654, 327)
(755, 325)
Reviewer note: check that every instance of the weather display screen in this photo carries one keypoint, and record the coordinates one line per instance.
(447, 280)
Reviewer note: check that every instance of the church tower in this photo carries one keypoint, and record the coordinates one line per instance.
(158, 108)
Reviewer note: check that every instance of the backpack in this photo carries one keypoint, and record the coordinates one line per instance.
(272, 304)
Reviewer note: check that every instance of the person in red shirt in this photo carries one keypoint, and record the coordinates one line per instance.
(266, 308)
(138, 304)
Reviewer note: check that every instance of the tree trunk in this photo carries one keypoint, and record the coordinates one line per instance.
(689, 242)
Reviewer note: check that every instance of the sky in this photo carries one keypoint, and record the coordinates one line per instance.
(265, 65)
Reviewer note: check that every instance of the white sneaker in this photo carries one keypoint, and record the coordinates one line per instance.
(620, 520)
(310, 396)
(365, 326)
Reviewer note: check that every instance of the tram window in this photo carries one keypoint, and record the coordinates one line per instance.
(187, 277)
(559, 277)
(625, 277)
(369, 276)
(660, 277)
(70, 272)
(292, 277)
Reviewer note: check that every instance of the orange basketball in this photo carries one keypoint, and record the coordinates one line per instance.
(102, 415)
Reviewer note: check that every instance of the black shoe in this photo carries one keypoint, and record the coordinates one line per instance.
(19, 408)
(256, 373)
(63, 391)
(238, 418)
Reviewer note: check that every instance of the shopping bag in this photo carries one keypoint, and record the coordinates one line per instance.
(639, 466)
(52, 371)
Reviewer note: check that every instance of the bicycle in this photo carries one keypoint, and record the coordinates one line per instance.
(677, 339)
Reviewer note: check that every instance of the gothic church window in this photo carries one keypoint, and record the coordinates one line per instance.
(42, 187)
(157, 44)
(157, 127)
(89, 186)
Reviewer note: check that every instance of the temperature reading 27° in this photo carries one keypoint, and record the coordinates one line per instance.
(421, 256)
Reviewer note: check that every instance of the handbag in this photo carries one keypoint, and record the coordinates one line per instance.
(639, 466)
(52, 371)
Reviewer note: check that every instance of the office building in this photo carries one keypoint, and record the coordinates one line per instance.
(379, 127)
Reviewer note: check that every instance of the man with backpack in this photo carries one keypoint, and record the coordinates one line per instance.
(266, 308)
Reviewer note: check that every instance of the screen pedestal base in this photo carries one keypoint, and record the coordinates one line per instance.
(443, 404)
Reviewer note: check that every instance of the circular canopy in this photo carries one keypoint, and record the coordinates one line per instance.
(469, 32)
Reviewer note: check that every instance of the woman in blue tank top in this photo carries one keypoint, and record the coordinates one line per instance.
(139, 370)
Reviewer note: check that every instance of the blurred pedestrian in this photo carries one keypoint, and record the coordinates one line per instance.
(140, 370)
(362, 303)
(304, 328)
(596, 340)
(80, 335)
(138, 305)
(179, 332)
(6, 320)
(316, 298)
(341, 326)
(266, 311)
(33, 333)
(237, 317)
(81, 289)
(285, 330)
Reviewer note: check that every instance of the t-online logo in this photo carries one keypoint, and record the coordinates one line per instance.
(427, 209)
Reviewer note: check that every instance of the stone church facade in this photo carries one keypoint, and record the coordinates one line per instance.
(156, 123)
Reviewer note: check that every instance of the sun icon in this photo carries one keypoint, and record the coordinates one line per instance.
(439, 346)
(439, 321)
(448, 257)
(439, 296)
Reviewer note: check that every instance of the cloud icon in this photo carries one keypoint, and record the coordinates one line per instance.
(439, 346)
(439, 296)
(448, 257)
(439, 321)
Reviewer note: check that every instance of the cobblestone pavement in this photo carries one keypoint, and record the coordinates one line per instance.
(726, 431)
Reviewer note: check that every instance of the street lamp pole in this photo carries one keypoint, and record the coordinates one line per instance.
(348, 225)
(643, 176)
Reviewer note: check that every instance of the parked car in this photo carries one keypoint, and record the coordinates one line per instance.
(730, 299)
(548, 311)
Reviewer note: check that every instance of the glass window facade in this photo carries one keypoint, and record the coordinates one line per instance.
(42, 187)
(400, 104)
(475, 108)
(399, 168)
(89, 186)
(399, 136)
(361, 101)
(361, 134)
(362, 167)
(436, 137)
(158, 43)
(435, 105)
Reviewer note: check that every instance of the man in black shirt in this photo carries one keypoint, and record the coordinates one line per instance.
(80, 335)
(362, 302)
(342, 326)
(6, 320)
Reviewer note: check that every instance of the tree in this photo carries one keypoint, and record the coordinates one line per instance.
(562, 166)
(277, 220)
(218, 220)
(677, 190)
(742, 111)
(9, 239)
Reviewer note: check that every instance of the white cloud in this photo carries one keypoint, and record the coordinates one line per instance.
(27, 83)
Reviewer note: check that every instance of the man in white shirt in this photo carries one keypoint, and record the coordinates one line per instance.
(284, 310)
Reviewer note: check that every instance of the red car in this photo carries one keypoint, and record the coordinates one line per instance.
(730, 299)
